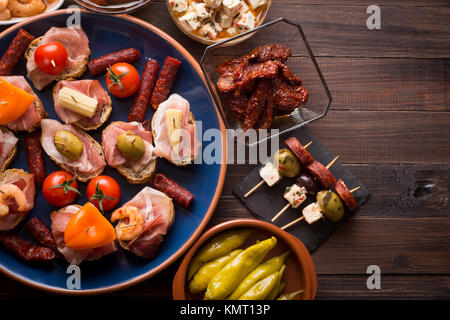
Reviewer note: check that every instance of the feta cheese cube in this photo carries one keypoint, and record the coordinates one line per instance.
(224, 20)
(256, 3)
(232, 31)
(312, 213)
(269, 173)
(179, 6)
(203, 12)
(244, 22)
(295, 195)
(189, 21)
(213, 3)
(231, 7)
(244, 8)
(209, 30)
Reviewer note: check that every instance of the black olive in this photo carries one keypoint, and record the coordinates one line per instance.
(311, 184)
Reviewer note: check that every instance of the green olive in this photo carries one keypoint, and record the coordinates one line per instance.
(331, 205)
(68, 144)
(130, 145)
(287, 163)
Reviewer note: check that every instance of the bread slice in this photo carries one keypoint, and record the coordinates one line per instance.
(77, 71)
(82, 178)
(106, 112)
(144, 176)
(190, 121)
(12, 154)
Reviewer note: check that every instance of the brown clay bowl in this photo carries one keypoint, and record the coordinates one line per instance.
(300, 272)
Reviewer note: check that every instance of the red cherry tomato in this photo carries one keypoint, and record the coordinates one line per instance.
(122, 80)
(60, 188)
(104, 192)
(51, 58)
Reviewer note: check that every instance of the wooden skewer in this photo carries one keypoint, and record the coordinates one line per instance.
(332, 161)
(262, 181)
(281, 212)
(353, 190)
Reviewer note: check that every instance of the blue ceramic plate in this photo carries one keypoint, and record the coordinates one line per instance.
(122, 269)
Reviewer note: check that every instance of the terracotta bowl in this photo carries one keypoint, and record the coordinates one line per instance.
(300, 272)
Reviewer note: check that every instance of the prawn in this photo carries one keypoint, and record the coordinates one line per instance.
(131, 223)
(26, 8)
(11, 191)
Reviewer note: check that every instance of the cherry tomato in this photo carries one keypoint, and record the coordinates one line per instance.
(122, 80)
(60, 188)
(104, 193)
(51, 58)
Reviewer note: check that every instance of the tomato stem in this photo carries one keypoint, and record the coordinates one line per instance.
(66, 185)
(99, 196)
(115, 78)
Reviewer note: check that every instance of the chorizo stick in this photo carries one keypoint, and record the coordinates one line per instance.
(100, 65)
(300, 152)
(35, 157)
(322, 174)
(256, 104)
(179, 194)
(141, 100)
(24, 249)
(15, 50)
(165, 81)
(41, 233)
(345, 194)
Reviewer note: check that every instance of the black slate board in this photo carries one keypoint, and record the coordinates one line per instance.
(266, 202)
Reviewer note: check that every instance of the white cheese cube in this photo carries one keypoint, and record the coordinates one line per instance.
(256, 3)
(213, 3)
(312, 213)
(189, 21)
(244, 8)
(203, 12)
(295, 195)
(269, 173)
(208, 30)
(179, 6)
(224, 20)
(232, 31)
(244, 22)
(231, 7)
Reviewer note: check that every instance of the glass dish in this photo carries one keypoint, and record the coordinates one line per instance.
(302, 63)
(116, 6)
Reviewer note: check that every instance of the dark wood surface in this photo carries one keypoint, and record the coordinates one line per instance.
(390, 122)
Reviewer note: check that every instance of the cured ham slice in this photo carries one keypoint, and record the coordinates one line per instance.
(112, 155)
(188, 146)
(91, 88)
(25, 181)
(90, 161)
(7, 142)
(60, 219)
(32, 116)
(77, 45)
(158, 212)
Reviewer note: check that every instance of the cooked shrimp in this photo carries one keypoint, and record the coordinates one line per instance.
(26, 8)
(11, 191)
(131, 223)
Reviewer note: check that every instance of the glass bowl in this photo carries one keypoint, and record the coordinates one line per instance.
(113, 6)
(262, 18)
(302, 63)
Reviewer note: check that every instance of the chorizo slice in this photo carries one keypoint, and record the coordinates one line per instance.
(179, 194)
(15, 50)
(300, 152)
(100, 65)
(322, 174)
(25, 249)
(41, 233)
(141, 100)
(165, 81)
(256, 104)
(35, 157)
(345, 194)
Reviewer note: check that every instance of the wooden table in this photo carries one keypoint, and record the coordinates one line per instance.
(390, 122)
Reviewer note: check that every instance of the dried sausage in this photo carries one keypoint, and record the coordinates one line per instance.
(100, 65)
(35, 157)
(41, 233)
(179, 194)
(15, 50)
(141, 100)
(300, 152)
(345, 194)
(165, 81)
(322, 174)
(256, 104)
(24, 249)
(266, 119)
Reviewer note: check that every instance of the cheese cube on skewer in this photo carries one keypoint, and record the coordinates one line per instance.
(312, 213)
(295, 195)
(269, 173)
